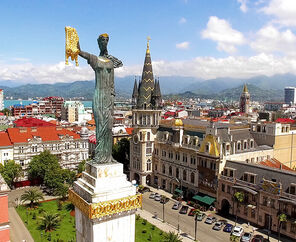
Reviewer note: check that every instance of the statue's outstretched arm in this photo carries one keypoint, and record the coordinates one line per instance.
(83, 54)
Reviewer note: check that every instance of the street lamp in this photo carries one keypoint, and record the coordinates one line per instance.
(195, 227)
(269, 217)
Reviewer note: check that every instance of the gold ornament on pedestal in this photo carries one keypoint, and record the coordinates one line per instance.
(71, 44)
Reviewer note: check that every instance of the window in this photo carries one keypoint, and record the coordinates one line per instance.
(228, 189)
(272, 201)
(231, 173)
(252, 144)
(163, 169)
(177, 172)
(265, 201)
(67, 146)
(252, 179)
(177, 156)
(21, 149)
(253, 213)
(148, 136)
(238, 146)
(245, 177)
(245, 145)
(163, 153)
(34, 148)
(192, 177)
(22, 163)
(184, 158)
(170, 171)
(184, 175)
(149, 165)
(292, 189)
(223, 187)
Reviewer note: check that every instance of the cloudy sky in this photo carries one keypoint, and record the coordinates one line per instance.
(201, 38)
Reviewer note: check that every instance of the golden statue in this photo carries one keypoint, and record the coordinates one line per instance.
(72, 40)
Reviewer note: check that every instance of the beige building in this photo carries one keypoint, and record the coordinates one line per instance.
(280, 137)
(268, 192)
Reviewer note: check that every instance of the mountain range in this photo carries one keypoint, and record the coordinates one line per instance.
(260, 87)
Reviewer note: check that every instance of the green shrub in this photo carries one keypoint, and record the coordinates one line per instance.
(153, 227)
(144, 222)
(34, 216)
(137, 217)
(144, 231)
(150, 237)
(160, 233)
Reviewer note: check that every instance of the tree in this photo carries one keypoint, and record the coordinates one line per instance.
(171, 237)
(62, 191)
(33, 196)
(81, 167)
(282, 219)
(50, 222)
(6, 111)
(10, 171)
(239, 197)
(42, 163)
(120, 152)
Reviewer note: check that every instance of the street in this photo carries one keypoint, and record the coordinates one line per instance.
(186, 223)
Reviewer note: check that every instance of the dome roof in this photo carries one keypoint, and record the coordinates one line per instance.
(178, 122)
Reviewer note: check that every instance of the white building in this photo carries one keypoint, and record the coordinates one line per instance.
(6, 148)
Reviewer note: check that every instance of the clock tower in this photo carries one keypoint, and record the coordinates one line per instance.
(147, 106)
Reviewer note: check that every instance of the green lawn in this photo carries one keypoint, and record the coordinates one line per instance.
(66, 231)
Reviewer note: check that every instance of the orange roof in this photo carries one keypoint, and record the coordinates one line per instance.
(91, 122)
(129, 130)
(4, 139)
(275, 164)
(22, 135)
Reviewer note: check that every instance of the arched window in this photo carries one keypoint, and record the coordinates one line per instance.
(170, 171)
(177, 172)
(148, 136)
(149, 165)
(184, 175)
(163, 169)
(192, 177)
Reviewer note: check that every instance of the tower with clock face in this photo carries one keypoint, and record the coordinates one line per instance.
(147, 105)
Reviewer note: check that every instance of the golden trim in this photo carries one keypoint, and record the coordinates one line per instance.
(106, 208)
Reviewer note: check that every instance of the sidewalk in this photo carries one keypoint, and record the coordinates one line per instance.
(18, 231)
(163, 226)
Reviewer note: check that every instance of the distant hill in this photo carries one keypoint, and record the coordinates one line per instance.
(265, 88)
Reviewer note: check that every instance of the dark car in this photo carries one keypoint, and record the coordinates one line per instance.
(210, 220)
(184, 209)
(176, 205)
(200, 217)
(218, 225)
(145, 189)
(258, 238)
(164, 200)
(191, 212)
(228, 228)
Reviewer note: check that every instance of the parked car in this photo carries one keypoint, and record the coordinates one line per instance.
(210, 220)
(228, 228)
(152, 195)
(218, 225)
(184, 209)
(164, 200)
(200, 217)
(157, 197)
(237, 231)
(191, 212)
(258, 238)
(145, 189)
(176, 205)
(246, 237)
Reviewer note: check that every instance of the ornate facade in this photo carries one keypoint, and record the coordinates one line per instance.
(145, 118)
(245, 100)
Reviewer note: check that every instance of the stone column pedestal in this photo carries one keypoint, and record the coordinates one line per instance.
(105, 204)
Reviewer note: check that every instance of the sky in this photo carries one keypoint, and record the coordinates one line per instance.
(205, 39)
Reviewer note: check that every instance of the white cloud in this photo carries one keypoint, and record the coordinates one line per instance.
(243, 5)
(200, 67)
(183, 45)
(269, 40)
(220, 31)
(182, 20)
(284, 11)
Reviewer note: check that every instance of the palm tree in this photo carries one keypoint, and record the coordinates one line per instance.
(196, 213)
(49, 221)
(282, 218)
(33, 196)
(239, 197)
(171, 237)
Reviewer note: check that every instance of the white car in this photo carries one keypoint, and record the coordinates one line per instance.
(157, 197)
(237, 231)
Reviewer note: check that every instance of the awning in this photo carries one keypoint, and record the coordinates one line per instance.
(206, 199)
(246, 189)
(177, 190)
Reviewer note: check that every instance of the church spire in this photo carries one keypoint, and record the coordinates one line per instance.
(147, 83)
(245, 89)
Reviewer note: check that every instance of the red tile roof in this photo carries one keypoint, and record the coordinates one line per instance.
(4, 139)
(31, 122)
(285, 120)
(21, 135)
(275, 164)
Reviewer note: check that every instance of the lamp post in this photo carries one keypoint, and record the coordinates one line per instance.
(195, 227)
(269, 217)
(178, 223)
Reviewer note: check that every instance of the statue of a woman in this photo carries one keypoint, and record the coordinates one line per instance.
(103, 100)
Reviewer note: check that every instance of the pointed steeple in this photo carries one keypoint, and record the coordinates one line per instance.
(245, 89)
(147, 83)
(135, 91)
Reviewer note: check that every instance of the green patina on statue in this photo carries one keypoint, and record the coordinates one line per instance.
(103, 100)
